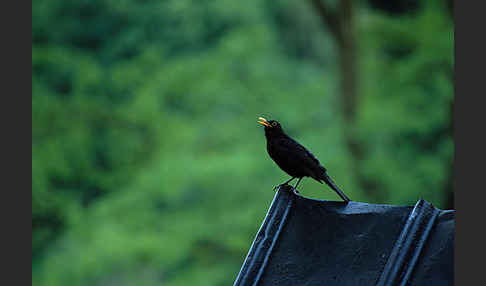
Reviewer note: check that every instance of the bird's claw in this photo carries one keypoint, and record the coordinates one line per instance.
(278, 187)
(285, 185)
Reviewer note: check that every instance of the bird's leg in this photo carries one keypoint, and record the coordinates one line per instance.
(290, 180)
(300, 179)
(286, 183)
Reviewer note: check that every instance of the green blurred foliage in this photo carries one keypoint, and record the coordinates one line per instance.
(148, 167)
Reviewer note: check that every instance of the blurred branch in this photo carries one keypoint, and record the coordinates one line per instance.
(329, 17)
(340, 21)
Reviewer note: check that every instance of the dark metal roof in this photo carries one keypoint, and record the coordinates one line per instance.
(304, 241)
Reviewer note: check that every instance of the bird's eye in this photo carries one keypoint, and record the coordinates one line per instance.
(274, 123)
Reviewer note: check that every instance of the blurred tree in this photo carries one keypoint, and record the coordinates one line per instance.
(395, 7)
(405, 116)
(341, 23)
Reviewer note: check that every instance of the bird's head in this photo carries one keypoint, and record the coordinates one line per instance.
(271, 126)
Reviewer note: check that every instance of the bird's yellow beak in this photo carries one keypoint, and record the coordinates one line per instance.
(264, 122)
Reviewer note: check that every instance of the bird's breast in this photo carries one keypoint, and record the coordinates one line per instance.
(284, 157)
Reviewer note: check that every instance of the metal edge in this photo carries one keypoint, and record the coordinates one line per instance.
(410, 242)
(265, 239)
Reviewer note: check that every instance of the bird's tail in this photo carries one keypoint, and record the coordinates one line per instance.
(333, 186)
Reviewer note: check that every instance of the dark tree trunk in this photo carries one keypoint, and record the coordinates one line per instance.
(341, 24)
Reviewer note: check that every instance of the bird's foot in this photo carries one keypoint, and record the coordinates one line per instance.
(278, 187)
(285, 186)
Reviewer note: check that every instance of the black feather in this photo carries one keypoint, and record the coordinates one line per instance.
(295, 159)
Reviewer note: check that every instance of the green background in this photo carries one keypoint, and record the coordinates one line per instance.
(148, 165)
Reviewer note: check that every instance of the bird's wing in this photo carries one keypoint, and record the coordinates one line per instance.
(303, 154)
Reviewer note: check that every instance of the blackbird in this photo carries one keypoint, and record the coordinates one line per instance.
(294, 158)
